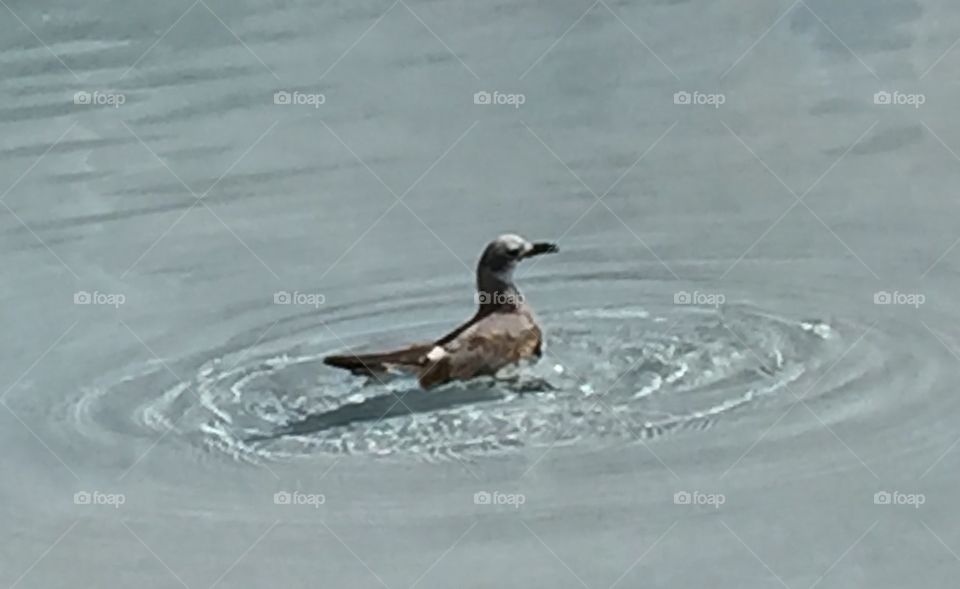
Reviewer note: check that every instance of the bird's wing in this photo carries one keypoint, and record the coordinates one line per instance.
(409, 358)
(483, 348)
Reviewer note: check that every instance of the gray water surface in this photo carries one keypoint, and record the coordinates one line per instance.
(751, 351)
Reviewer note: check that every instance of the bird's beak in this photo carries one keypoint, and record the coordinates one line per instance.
(542, 247)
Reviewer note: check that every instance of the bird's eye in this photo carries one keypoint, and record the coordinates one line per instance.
(513, 252)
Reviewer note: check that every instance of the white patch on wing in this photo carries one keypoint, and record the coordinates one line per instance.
(436, 354)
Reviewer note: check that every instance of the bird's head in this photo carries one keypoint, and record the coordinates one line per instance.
(500, 258)
(503, 253)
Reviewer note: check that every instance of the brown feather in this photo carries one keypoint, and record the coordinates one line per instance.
(410, 358)
(484, 347)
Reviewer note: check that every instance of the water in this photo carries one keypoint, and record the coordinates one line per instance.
(181, 429)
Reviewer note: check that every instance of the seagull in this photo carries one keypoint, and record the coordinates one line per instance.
(503, 331)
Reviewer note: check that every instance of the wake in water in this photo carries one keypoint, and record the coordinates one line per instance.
(609, 375)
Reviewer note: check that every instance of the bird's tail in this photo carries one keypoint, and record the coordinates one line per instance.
(410, 358)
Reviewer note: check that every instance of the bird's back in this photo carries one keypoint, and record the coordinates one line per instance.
(486, 345)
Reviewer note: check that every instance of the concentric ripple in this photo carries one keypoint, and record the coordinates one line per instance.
(609, 375)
